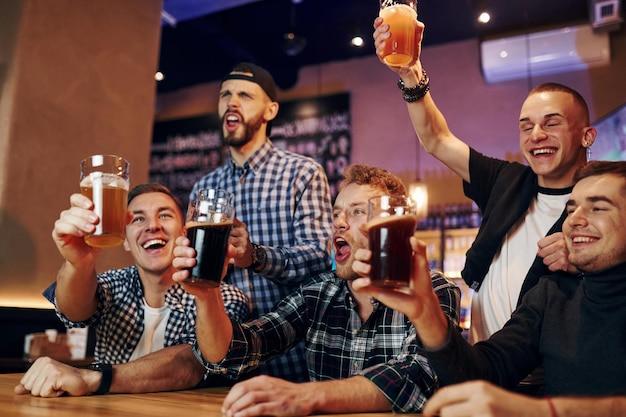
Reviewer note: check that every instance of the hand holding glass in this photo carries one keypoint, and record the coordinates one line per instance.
(209, 223)
(391, 221)
(400, 15)
(105, 180)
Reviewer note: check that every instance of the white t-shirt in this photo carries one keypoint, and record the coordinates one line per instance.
(153, 337)
(497, 296)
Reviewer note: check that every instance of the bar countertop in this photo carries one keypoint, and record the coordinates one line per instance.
(205, 402)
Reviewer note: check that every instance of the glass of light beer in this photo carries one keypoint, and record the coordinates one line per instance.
(209, 223)
(400, 15)
(391, 221)
(105, 180)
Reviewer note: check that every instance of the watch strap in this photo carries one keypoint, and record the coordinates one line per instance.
(107, 376)
(259, 256)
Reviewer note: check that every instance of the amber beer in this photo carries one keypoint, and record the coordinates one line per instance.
(109, 195)
(105, 179)
(209, 223)
(400, 16)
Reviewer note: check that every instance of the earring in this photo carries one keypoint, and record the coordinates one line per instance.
(588, 153)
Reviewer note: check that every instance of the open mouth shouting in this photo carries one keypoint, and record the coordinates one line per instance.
(232, 120)
(342, 249)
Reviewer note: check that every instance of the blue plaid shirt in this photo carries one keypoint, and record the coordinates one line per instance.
(119, 318)
(338, 345)
(284, 199)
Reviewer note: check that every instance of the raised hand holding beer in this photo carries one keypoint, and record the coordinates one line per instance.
(105, 180)
(400, 15)
(391, 221)
(209, 222)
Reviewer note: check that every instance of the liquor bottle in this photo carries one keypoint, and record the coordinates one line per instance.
(476, 216)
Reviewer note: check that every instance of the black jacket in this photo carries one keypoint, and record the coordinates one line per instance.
(503, 191)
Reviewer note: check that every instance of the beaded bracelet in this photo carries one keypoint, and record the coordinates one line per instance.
(411, 94)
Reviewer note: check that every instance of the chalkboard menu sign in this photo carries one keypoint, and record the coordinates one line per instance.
(183, 150)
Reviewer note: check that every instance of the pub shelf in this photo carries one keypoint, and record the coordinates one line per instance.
(448, 233)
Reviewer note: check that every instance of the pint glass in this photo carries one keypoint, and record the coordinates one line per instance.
(400, 15)
(208, 227)
(105, 180)
(391, 221)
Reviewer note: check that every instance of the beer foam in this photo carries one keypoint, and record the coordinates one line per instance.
(397, 8)
(107, 180)
(403, 218)
(208, 222)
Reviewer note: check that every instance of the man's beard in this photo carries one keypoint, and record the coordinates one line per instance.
(346, 273)
(231, 138)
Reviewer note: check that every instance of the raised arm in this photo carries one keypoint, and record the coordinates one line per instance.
(429, 123)
(76, 279)
(214, 330)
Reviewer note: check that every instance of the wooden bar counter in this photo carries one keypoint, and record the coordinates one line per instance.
(205, 402)
(201, 402)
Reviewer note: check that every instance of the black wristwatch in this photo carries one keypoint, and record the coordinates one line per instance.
(259, 256)
(107, 376)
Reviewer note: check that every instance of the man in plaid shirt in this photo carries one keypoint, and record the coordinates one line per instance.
(282, 204)
(361, 355)
(144, 322)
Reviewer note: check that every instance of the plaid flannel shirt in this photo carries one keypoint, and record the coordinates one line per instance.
(284, 199)
(338, 345)
(119, 318)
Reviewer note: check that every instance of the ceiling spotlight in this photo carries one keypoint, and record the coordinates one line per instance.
(293, 43)
(357, 41)
(484, 17)
(357, 36)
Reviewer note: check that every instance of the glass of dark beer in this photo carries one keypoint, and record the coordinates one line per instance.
(105, 180)
(391, 221)
(209, 223)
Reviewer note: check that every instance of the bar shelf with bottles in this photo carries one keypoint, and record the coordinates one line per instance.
(448, 232)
